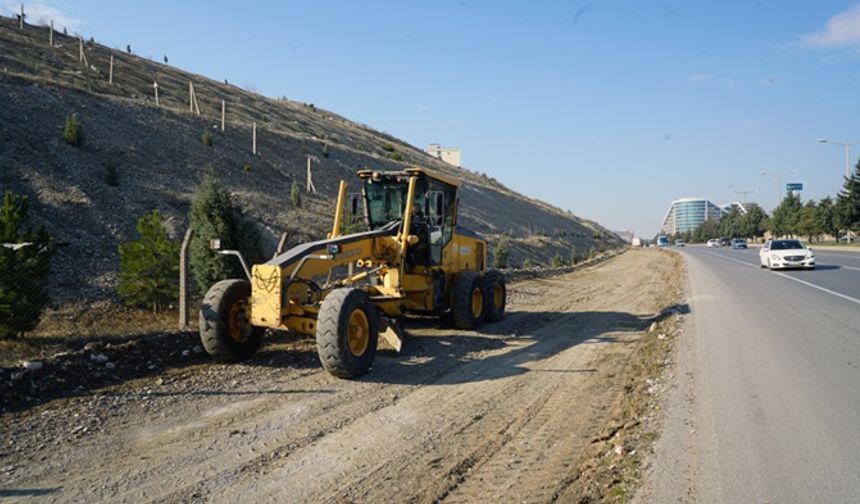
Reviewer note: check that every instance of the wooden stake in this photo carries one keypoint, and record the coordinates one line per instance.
(183, 280)
(155, 86)
(51, 35)
(192, 99)
(254, 139)
(21, 19)
(110, 75)
(223, 113)
(310, 187)
(82, 58)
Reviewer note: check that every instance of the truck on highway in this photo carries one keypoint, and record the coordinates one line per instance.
(663, 241)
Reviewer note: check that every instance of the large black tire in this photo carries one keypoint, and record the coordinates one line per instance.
(225, 330)
(347, 332)
(467, 308)
(495, 296)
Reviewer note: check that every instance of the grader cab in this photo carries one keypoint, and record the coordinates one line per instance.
(350, 289)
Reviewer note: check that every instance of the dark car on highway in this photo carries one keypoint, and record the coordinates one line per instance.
(725, 242)
(739, 243)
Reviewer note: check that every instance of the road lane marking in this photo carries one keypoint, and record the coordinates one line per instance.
(804, 282)
(850, 267)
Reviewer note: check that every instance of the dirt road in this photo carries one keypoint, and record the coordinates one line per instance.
(503, 414)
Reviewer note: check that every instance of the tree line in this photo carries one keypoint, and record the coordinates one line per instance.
(811, 220)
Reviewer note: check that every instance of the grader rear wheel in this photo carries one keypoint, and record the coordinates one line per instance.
(225, 329)
(496, 296)
(347, 333)
(468, 307)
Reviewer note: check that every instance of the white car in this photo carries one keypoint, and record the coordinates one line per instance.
(713, 242)
(778, 254)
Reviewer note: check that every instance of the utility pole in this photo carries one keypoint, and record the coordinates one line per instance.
(21, 19)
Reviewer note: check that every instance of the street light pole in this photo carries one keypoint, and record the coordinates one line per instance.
(744, 192)
(847, 146)
(778, 177)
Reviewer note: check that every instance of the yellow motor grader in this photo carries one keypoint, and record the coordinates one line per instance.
(350, 289)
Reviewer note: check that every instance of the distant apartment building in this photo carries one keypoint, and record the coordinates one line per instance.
(686, 214)
(450, 155)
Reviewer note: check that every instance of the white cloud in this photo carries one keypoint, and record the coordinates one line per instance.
(41, 14)
(842, 30)
(700, 77)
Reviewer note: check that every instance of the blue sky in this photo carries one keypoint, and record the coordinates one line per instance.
(608, 108)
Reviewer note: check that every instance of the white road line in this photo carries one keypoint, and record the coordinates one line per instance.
(850, 267)
(804, 282)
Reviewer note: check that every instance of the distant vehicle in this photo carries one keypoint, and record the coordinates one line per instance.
(679, 243)
(636, 242)
(780, 254)
(713, 242)
(739, 243)
(846, 239)
(725, 242)
(663, 241)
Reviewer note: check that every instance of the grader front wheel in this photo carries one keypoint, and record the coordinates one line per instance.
(225, 329)
(468, 306)
(347, 333)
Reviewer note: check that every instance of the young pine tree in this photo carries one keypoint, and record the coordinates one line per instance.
(214, 215)
(500, 255)
(149, 266)
(25, 263)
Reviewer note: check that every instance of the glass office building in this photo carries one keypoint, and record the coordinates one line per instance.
(687, 214)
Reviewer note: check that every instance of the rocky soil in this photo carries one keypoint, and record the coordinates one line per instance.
(553, 403)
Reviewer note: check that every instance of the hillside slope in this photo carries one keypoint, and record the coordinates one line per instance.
(160, 158)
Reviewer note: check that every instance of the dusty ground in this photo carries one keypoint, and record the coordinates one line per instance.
(514, 412)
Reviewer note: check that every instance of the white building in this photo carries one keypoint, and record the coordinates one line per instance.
(450, 155)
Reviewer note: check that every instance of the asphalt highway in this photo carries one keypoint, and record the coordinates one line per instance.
(764, 403)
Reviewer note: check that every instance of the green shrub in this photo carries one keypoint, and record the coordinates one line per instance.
(325, 150)
(557, 261)
(388, 147)
(304, 148)
(23, 271)
(246, 167)
(397, 156)
(295, 195)
(206, 137)
(500, 255)
(527, 264)
(573, 258)
(73, 133)
(149, 266)
(214, 215)
(111, 177)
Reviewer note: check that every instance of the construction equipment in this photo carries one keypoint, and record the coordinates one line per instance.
(350, 289)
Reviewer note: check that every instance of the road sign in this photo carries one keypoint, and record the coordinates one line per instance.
(793, 187)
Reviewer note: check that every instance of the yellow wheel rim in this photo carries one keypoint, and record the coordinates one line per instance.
(358, 332)
(498, 296)
(238, 322)
(477, 302)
